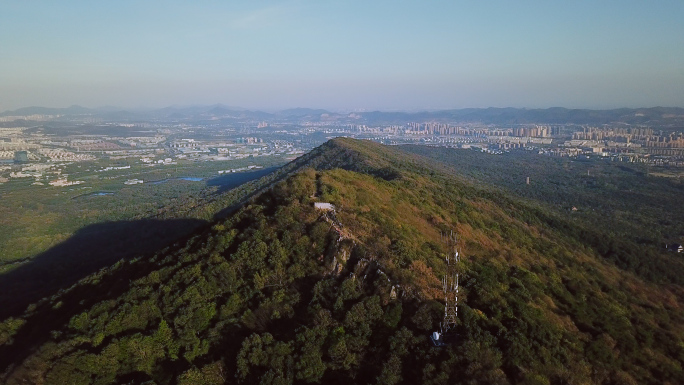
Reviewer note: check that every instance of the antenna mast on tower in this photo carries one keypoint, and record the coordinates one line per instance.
(450, 285)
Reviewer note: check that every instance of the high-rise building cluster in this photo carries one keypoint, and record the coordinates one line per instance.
(536, 131)
(645, 137)
(434, 128)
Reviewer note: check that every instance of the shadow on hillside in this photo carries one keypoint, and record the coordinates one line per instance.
(87, 251)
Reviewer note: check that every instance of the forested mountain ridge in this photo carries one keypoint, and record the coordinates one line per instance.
(278, 292)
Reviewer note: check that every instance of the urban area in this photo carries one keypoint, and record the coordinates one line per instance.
(40, 147)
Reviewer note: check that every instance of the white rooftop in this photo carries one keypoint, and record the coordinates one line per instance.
(324, 206)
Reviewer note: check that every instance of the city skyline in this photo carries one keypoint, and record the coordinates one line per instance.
(351, 56)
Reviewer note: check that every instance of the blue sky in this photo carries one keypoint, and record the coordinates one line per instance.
(342, 54)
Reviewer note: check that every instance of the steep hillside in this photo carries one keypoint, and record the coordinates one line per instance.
(624, 213)
(279, 292)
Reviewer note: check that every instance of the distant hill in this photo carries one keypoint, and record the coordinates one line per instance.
(279, 292)
(221, 110)
(662, 116)
(26, 111)
(557, 115)
(301, 112)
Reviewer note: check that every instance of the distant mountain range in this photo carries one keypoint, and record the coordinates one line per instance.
(670, 116)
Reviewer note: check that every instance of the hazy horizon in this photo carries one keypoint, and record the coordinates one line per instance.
(328, 109)
(348, 56)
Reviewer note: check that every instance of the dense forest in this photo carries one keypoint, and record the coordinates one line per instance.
(274, 291)
(627, 215)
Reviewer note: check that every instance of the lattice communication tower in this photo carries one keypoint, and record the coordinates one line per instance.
(450, 285)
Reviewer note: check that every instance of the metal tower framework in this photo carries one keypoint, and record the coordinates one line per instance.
(450, 286)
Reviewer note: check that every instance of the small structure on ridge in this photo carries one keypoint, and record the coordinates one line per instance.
(324, 206)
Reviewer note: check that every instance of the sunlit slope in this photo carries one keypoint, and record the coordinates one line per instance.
(620, 208)
(280, 292)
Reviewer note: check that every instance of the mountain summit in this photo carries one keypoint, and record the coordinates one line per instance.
(332, 274)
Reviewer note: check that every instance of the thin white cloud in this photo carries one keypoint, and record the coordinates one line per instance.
(259, 18)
